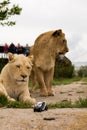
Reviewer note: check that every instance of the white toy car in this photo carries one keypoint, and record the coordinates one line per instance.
(40, 106)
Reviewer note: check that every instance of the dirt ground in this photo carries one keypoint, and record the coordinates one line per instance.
(53, 119)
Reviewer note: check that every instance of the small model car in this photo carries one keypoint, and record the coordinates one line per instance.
(40, 106)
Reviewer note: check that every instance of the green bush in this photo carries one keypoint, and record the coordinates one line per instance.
(3, 62)
(82, 72)
(63, 69)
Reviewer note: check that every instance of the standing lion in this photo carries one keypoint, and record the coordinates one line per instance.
(46, 47)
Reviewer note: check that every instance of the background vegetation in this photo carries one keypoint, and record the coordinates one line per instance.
(82, 72)
(6, 12)
(3, 62)
(63, 68)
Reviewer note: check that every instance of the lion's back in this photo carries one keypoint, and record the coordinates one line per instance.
(42, 50)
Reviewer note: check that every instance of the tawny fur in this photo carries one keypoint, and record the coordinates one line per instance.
(14, 78)
(46, 47)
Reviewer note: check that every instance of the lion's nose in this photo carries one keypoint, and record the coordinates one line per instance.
(67, 50)
(23, 76)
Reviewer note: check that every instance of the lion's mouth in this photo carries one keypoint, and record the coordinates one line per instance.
(61, 53)
(21, 80)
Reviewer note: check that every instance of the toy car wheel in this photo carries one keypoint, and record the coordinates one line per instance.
(35, 110)
(46, 108)
(40, 109)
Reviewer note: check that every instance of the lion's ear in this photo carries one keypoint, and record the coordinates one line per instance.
(11, 57)
(31, 57)
(57, 33)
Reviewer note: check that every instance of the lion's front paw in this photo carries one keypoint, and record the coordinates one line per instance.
(50, 92)
(31, 101)
(11, 99)
(43, 92)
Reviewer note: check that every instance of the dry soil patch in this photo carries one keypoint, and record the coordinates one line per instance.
(53, 119)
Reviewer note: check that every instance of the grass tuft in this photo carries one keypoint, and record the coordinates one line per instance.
(5, 103)
(3, 100)
(18, 104)
(81, 103)
(66, 104)
(65, 81)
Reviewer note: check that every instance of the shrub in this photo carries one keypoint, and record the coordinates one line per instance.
(63, 69)
(82, 72)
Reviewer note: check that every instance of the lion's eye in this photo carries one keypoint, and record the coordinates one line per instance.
(28, 67)
(18, 66)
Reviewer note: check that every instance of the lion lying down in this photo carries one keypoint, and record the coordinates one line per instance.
(14, 78)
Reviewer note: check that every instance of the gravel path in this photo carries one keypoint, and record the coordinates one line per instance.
(53, 119)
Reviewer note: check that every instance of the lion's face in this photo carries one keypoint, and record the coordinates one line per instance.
(61, 42)
(20, 68)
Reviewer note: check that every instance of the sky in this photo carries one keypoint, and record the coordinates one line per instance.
(40, 16)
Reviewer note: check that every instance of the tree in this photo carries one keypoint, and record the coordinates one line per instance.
(6, 13)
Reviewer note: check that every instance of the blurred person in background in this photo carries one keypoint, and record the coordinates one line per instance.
(19, 49)
(27, 50)
(6, 50)
(12, 48)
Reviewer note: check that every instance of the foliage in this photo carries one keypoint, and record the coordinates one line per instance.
(3, 63)
(84, 79)
(66, 104)
(16, 104)
(3, 100)
(65, 80)
(63, 68)
(82, 72)
(81, 103)
(64, 71)
(6, 12)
